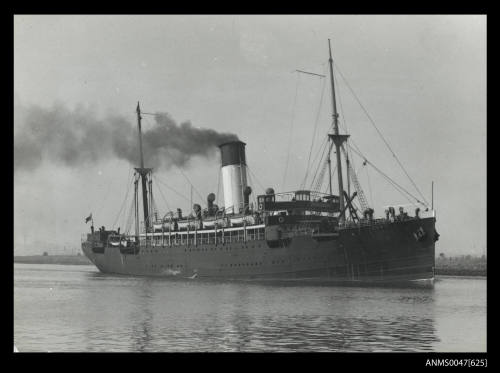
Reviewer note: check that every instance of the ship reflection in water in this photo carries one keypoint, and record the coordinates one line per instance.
(90, 311)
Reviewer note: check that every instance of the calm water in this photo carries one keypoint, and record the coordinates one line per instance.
(76, 308)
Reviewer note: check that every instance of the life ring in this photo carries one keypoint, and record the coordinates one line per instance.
(261, 206)
(281, 219)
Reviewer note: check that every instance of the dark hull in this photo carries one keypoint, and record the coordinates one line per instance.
(383, 253)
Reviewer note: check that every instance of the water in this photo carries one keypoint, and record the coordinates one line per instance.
(76, 308)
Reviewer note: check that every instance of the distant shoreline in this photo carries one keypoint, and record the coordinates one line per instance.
(83, 260)
(459, 272)
(52, 259)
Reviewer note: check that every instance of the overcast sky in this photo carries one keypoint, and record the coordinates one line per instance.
(421, 78)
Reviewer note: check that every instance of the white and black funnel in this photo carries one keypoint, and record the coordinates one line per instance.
(234, 175)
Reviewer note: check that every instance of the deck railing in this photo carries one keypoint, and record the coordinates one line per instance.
(384, 221)
(196, 238)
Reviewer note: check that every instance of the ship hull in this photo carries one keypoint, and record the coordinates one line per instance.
(383, 253)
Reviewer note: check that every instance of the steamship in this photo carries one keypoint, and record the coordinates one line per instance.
(302, 236)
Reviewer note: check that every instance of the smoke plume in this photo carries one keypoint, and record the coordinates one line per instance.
(77, 137)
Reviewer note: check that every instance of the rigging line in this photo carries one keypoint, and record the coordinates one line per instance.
(307, 72)
(314, 133)
(172, 189)
(313, 164)
(131, 216)
(347, 148)
(327, 186)
(369, 185)
(250, 180)
(343, 116)
(161, 193)
(324, 148)
(321, 177)
(320, 170)
(320, 149)
(291, 130)
(396, 185)
(392, 182)
(123, 204)
(182, 173)
(344, 126)
(127, 220)
(101, 205)
(255, 177)
(154, 208)
(218, 186)
(128, 224)
(380, 134)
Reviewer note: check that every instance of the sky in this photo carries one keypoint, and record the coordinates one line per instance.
(422, 80)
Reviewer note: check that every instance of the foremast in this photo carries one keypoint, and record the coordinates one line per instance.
(337, 140)
(143, 172)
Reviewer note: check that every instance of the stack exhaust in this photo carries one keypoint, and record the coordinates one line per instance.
(234, 175)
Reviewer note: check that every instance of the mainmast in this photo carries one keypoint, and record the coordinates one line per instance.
(143, 172)
(337, 140)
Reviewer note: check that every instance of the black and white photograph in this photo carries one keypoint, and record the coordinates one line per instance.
(250, 183)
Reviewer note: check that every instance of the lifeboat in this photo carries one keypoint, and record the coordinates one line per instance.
(237, 222)
(209, 224)
(186, 224)
(240, 221)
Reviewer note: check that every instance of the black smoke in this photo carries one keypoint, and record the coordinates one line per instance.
(77, 137)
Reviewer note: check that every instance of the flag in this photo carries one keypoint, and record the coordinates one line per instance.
(88, 218)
